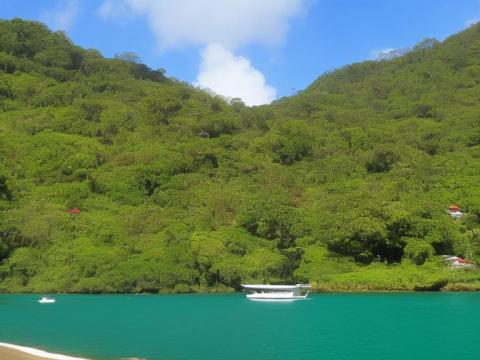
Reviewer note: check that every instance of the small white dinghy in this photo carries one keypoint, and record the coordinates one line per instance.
(277, 292)
(46, 300)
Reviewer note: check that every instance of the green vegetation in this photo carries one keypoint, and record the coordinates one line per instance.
(344, 185)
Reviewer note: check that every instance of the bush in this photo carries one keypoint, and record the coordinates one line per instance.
(423, 111)
(5, 192)
(418, 250)
(382, 159)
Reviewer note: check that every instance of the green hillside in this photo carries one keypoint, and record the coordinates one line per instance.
(344, 185)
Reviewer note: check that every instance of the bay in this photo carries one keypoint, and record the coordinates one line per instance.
(228, 326)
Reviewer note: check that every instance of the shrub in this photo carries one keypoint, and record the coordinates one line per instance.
(382, 159)
(418, 250)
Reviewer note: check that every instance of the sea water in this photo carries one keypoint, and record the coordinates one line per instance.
(230, 327)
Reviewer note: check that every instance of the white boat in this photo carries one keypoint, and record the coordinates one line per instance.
(277, 292)
(46, 300)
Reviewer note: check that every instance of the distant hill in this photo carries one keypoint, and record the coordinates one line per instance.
(116, 178)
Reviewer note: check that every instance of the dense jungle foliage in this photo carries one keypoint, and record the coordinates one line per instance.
(344, 185)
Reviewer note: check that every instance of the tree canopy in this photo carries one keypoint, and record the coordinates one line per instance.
(344, 185)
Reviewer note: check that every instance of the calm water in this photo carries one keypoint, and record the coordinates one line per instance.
(327, 326)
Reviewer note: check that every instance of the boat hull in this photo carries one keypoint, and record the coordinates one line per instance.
(286, 293)
(274, 300)
(46, 301)
(275, 297)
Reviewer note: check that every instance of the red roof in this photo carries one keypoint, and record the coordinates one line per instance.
(459, 260)
(74, 211)
(463, 261)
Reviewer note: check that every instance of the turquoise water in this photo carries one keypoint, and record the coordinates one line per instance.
(327, 326)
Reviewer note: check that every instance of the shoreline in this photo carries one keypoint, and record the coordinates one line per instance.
(17, 352)
(460, 287)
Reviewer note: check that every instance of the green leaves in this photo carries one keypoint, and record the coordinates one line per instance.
(293, 142)
(382, 159)
(5, 192)
(344, 184)
(418, 251)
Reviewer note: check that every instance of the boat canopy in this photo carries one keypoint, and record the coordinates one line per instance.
(276, 287)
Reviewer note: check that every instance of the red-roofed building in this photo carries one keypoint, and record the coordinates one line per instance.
(456, 262)
(455, 211)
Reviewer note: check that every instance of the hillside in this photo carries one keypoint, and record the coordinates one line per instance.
(344, 185)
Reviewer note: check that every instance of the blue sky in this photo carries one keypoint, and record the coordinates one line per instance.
(262, 49)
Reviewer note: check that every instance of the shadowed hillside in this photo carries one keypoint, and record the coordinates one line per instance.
(344, 185)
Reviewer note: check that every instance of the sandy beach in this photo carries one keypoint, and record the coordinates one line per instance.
(10, 354)
(15, 352)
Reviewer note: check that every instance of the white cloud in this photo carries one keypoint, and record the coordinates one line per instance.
(389, 53)
(219, 27)
(63, 16)
(472, 22)
(231, 23)
(233, 76)
(114, 9)
(375, 54)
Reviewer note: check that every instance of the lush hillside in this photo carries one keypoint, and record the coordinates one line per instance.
(344, 185)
